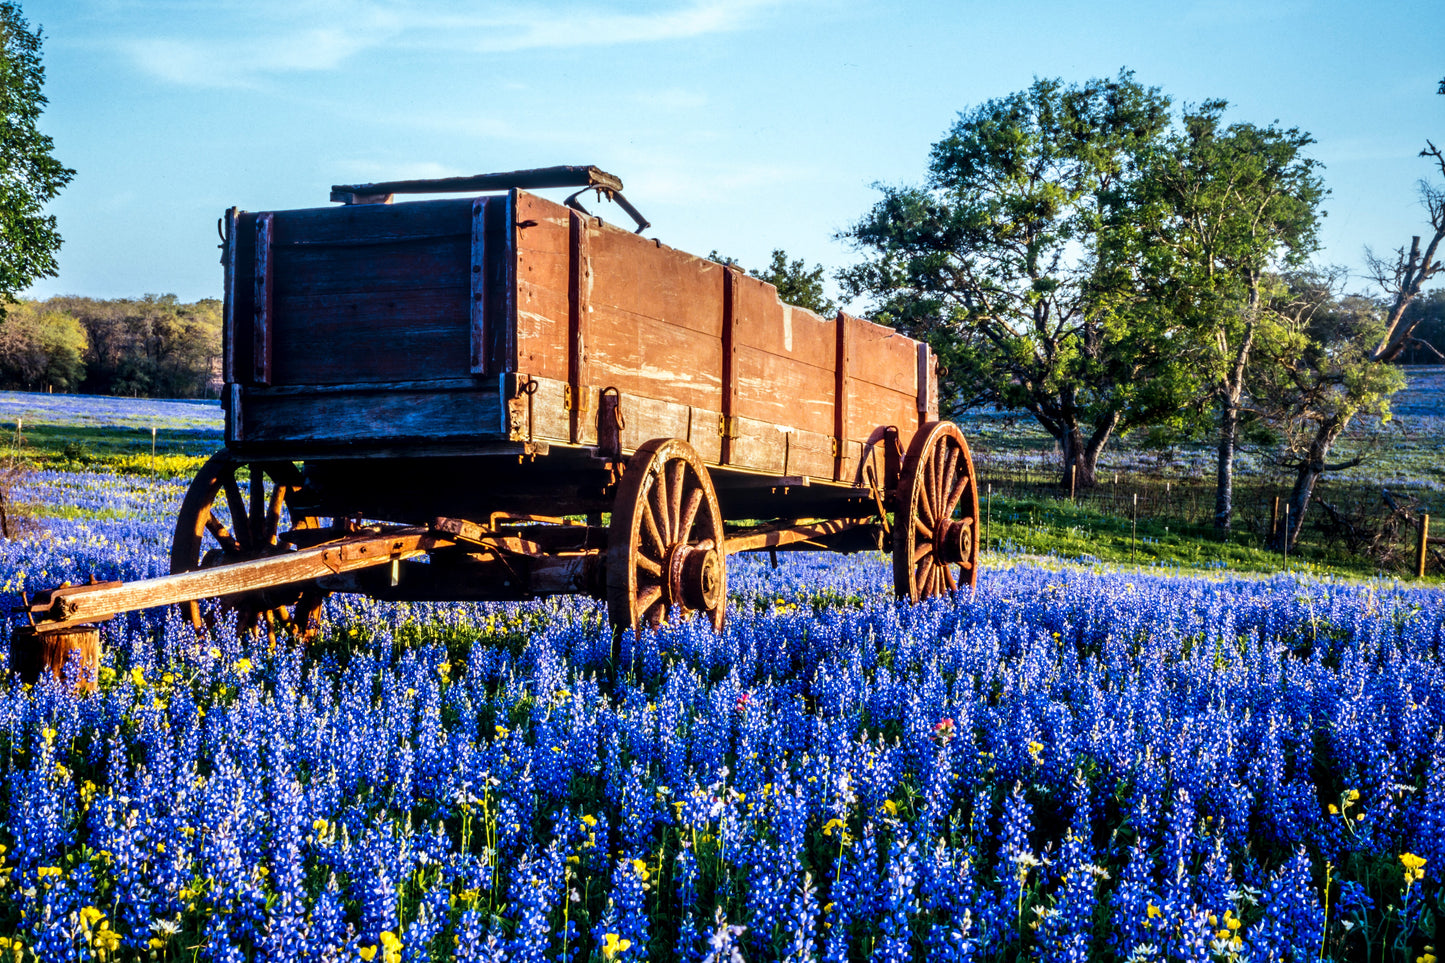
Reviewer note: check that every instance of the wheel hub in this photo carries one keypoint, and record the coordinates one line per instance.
(955, 542)
(694, 577)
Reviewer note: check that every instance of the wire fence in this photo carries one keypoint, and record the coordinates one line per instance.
(1342, 519)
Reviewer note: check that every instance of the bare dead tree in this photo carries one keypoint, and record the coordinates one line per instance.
(1402, 277)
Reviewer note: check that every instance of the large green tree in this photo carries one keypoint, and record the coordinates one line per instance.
(1000, 260)
(30, 177)
(1220, 210)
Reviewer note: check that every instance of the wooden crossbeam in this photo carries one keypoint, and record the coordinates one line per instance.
(82, 604)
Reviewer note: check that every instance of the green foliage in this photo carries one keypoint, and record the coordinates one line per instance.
(1003, 261)
(153, 346)
(41, 347)
(29, 176)
(797, 284)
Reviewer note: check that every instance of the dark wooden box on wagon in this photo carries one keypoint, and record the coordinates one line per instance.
(442, 399)
(421, 328)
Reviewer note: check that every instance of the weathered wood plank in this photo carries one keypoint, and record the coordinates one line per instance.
(90, 603)
(870, 406)
(228, 319)
(784, 391)
(422, 415)
(842, 370)
(262, 335)
(543, 258)
(769, 325)
(477, 307)
(883, 356)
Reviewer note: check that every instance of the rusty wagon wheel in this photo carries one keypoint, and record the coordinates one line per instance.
(218, 524)
(935, 527)
(666, 554)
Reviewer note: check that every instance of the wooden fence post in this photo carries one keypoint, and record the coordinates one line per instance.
(1424, 545)
(1273, 521)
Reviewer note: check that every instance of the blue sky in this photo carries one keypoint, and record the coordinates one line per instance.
(737, 125)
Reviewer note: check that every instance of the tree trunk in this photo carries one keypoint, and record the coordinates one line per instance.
(1230, 393)
(1311, 467)
(1081, 457)
(1224, 484)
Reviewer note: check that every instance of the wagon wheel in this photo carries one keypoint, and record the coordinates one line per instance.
(666, 553)
(256, 518)
(935, 528)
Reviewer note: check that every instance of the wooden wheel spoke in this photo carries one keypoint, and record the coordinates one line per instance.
(647, 597)
(663, 506)
(924, 530)
(655, 614)
(925, 576)
(945, 483)
(937, 488)
(225, 539)
(689, 515)
(240, 521)
(925, 500)
(960, 485)
(948, 579)
(922, 551)
(653, 530)
(257, 515)
(674, 494)
(273, 515)
(645, 564)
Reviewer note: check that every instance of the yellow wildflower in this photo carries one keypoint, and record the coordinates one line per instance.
(612, 945)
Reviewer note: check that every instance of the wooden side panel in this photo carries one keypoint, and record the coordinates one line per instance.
(543, 259)
(228, 319)
(883, 357)
(241, 294)
(417, 413)
(784, 361)
(477, 306)
(372, 293)
(655, 320)
(870, 406)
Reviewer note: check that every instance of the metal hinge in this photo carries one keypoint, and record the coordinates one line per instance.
(727, 426)
(580, 400)
(833, 446)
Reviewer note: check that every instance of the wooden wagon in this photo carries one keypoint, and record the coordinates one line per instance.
(501, 397)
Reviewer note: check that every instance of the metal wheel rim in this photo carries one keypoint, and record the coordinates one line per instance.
(938, 465)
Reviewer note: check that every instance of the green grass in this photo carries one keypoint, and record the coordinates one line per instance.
(1057, 527)
(117, 450)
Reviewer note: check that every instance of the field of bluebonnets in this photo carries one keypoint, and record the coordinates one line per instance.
(1075, 763)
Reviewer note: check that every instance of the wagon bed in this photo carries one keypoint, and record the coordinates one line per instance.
(467, 325)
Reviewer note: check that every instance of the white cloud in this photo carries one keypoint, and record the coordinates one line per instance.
(212, 44)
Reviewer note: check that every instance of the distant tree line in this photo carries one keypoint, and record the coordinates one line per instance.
(155, 346)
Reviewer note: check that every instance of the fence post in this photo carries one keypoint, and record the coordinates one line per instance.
(1285, 540)
(1424, 544)
(1134, 528)
(1273, 521)
(987, 515)
(1073, 470)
